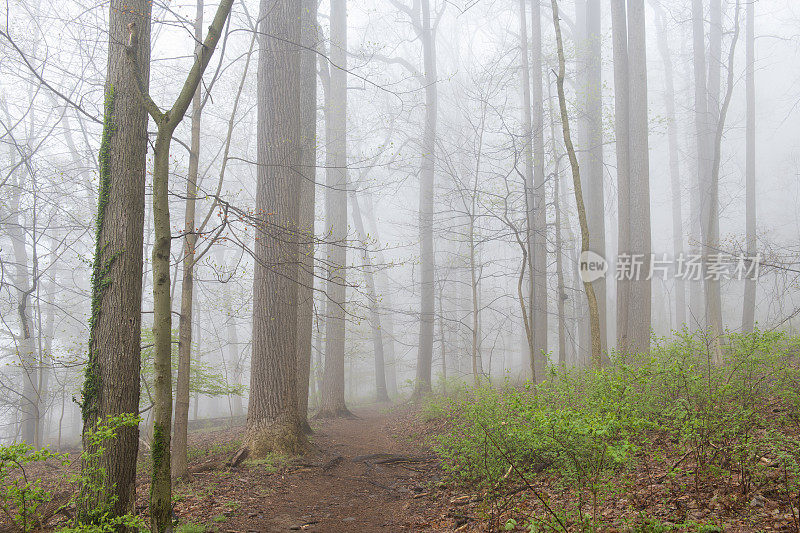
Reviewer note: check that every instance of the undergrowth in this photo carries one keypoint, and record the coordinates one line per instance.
(585, 432)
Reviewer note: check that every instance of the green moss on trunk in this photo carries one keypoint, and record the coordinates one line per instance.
(100, 267)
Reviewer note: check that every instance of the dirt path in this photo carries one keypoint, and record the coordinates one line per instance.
(356, 483)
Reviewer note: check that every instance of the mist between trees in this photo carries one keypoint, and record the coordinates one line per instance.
(270, 211)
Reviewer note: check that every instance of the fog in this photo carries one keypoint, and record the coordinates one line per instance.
(465, 119)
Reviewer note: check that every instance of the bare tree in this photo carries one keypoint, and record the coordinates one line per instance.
(333, 400)
(594, 318)
(273, 421)
(749, 305)
(590, 46)
(674, 162)
(167, 122)
(634, 182)
(305, 325)
(622, 132)
(180, 444)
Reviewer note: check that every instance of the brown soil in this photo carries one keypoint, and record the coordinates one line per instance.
(363, 477)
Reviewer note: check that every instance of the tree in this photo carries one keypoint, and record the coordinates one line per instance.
(674, 162)
(619, 31)
(711, 235)
(381, 392)
(639, 308)
(749, 305)
(180, 445)
(333, 401)
(536, 232)
(111, 385)
(166, 122)
(387, 321)
(709, 193)
(425, 28)
(305, 317)
(592, 109)
(635, 190)
(273, 421)
(594, 318)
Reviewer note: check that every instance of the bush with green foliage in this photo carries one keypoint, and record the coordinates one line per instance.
(93, 494)
(581, 425)
(21, 499)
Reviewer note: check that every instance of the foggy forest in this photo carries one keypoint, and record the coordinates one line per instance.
(399, 265)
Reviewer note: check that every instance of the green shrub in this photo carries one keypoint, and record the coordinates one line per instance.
(581, 425)
(21, 498)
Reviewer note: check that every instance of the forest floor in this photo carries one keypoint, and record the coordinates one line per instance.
(375, 472)
(368, 473)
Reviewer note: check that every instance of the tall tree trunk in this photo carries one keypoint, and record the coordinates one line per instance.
(167, 122)
(527, 124)
(557, 207)
(749, 304)
(426, 191)
(531, 229)
(593, 145)
(308, 185)
(703, 155)
(539, 205)
(619, 21)
(235, 356)
(47, 331)
(333, 387)
(442, 340)
(639, 305)
(594, 318)
(477, 371)
(199, 342)
(709, 196)
(374, 313)
(180, 445)
(387, 321)
(319, 350)
(111, 387)
(712, 282)
(273, 421)
(26, 346)
(674, 163)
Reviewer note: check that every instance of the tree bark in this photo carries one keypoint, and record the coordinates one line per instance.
(674, 162)
(749, 305)
(305, 325)
(273, 421)
(709, 197)
(180, 445)
(562, 295)
(594, 318)
(593, 146)
(111, 387)
(166, 122)
(333, 386)
(426, 190)
(622, 132)
(639, 305)
(712, 283)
